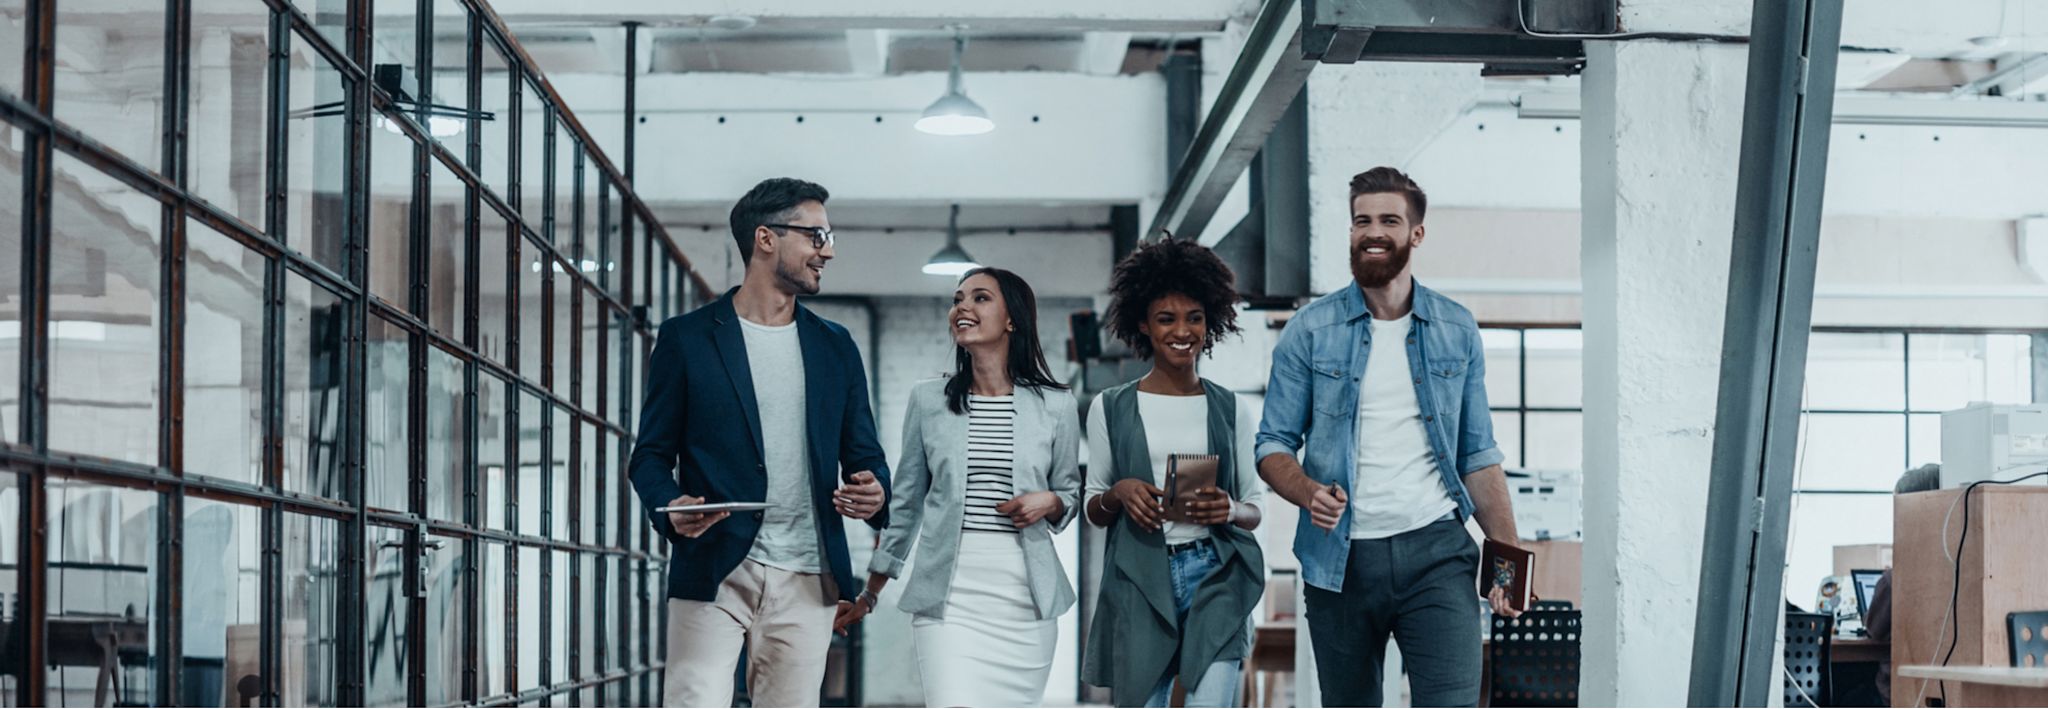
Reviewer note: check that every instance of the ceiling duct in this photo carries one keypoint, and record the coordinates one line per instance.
(1510, 37)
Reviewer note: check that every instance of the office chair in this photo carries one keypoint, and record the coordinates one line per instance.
(1535, 659)
(1807, 641)
(2026, 632)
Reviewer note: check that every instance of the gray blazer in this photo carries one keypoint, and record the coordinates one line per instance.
(930, 490)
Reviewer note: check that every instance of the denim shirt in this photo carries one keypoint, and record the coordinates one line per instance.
(1312, 406)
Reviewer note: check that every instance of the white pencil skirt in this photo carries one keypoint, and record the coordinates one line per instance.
(990, 650)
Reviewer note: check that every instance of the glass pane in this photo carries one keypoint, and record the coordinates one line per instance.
(562, 306)
(446, 606)
(451, 71)
(493, 414)
(226, 127)
(491, 594)
(533, 168)
(222, 613)
(1950, 371)
(1923, 440)
(313, 324)
(1822, 522)
(312, 594)
(558, 618)
(587, 628)
(496, 120)
(1554, 369)
(531, 289)
(10, 557)
(1555, 441)
(104, 337)
(445, 432)
(1504, 365)
(1855, 371)
(448, 262)
(110, 75)
(665, 284)
(11, 143)
(597, 224)
(13, 44)
(567, 189)
(532, 413)
(316, 157)
(623, 346)
(1507, 434)
(385, 423)
(560, 473)
(619, 616)
(102, 590)
(386, 626)
(224, 327)
(592, 325)
(493, 309)
(589, 531)
(1852, 451)
(390, 231)
(330, 18)
(394, 42)
(617, 228)
(529, 618)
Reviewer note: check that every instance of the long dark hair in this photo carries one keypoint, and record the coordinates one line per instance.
(1027, 358)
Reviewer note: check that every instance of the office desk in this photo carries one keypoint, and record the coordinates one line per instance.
(1976, 686)
(1859, 649)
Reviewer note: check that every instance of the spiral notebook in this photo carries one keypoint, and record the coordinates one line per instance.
(1186, 473)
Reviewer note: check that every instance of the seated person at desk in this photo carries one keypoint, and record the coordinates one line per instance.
(1877, 619)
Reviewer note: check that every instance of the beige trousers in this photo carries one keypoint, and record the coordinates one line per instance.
(783, 616)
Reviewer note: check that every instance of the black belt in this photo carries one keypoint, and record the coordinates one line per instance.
(1176, 549)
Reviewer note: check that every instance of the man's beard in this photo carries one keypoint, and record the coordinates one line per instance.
(1379, 273)
(794, 279)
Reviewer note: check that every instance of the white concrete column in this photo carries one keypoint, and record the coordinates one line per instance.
(1662, 129)
(1363, 116)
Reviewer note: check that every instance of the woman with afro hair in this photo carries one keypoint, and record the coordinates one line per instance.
(1176, 596)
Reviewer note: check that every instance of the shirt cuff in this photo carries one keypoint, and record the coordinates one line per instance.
(1268, 448)
(885, 564)
(1475, 462)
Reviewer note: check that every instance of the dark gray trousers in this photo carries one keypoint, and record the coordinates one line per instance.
(1421, 588)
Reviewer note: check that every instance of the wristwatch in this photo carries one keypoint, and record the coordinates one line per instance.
(867, 599)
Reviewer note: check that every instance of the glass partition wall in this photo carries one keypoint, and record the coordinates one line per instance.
(318, 325)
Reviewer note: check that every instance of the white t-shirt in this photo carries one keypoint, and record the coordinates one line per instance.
(788, 539)
(1396, 487)
(1174, 424)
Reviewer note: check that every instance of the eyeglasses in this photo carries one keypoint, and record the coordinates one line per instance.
(821, 237)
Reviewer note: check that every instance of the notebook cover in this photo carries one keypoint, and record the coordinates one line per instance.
(1186, 473)
(1510, 567)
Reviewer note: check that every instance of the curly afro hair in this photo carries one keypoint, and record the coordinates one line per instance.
(1164, 267)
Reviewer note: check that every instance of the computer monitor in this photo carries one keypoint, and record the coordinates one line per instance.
(1866, 586)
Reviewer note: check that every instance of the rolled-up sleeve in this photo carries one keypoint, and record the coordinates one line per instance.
(1065, 476)
(1476, 448)
(1285, 423)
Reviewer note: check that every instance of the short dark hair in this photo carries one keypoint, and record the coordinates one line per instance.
(771, 202)
(1161, 268)
(1380, 180)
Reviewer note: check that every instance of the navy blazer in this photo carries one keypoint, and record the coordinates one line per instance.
(697, 421)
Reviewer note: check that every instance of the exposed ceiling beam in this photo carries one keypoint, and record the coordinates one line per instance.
(2015, 76)
(1850, 110)
(1185, 16)
(611, 48)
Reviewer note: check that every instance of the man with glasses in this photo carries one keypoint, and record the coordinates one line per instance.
(753, 398)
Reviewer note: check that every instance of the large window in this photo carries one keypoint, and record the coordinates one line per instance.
(1873, 408)
(313, 387)
(1533, 385)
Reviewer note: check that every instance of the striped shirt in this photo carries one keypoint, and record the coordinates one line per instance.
(991, 444)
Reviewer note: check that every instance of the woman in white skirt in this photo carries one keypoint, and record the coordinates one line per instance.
(989, 472)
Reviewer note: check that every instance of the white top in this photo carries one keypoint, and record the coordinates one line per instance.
(1396, 487)
(991, 450)
(1174, 424)
(788, 539)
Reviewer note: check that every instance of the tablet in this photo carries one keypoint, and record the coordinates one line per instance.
(710, 507)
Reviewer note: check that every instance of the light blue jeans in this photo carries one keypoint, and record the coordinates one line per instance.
(1219, 683)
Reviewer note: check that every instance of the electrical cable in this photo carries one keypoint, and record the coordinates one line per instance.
(1956, 575)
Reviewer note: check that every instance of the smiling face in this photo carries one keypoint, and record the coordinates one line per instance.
(979, 316)
(1381, 237)
(799, 263)
(1177, 327)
